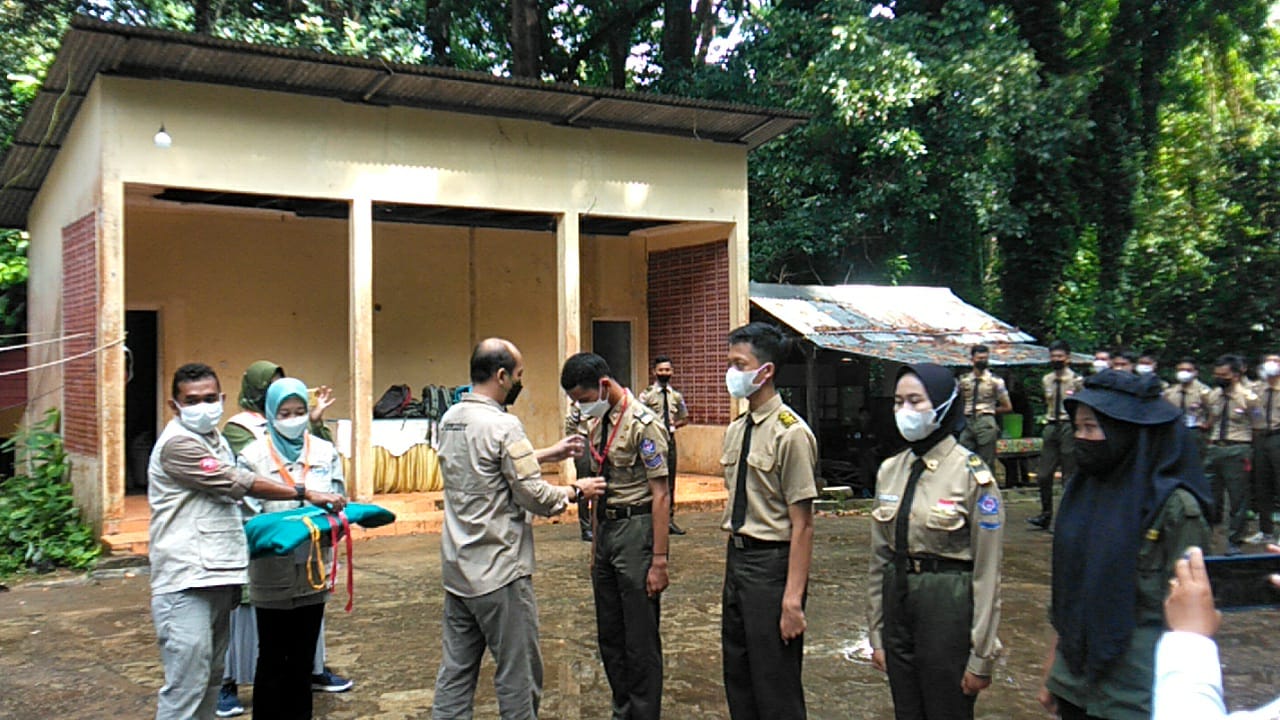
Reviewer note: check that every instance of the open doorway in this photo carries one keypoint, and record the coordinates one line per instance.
(611, 340)
(142, 328)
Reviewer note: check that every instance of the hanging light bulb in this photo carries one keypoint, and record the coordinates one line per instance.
(162, 138)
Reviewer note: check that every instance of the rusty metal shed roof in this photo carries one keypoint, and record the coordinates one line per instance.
(93, 46)
(906, 324)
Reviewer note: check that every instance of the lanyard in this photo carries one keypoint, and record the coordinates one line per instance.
(601, 455)
(284, 471)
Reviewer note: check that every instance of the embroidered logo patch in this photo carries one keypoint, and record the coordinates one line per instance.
(209, 464)
(989, 505)
(649, 452)
(994, 525)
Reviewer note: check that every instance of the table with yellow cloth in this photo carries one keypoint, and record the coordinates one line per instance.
(403, 459)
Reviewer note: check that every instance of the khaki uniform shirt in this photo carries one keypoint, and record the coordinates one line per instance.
(1071, 384)
(1195, 393)
(990, 390)
(638, 453)
(492, 481)
(281, 582)
(1263, 399)
(1243, 406)
(781, 466)
(956, 513)
(652, 398)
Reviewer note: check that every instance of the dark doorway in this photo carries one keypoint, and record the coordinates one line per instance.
(611, 340)
(142, 329)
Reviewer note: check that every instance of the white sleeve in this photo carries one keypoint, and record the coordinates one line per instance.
(1188, 683)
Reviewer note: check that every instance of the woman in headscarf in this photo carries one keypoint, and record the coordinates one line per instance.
(935, 557)
(1136, 503)
(249, 424)
(288, 598)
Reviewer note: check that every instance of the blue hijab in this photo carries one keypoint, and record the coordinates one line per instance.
(277, 393)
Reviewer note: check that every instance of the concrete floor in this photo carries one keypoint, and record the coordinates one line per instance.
(74, 647)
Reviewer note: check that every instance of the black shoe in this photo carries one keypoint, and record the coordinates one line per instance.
(1042, 521)
(586, 536)
(674, 529)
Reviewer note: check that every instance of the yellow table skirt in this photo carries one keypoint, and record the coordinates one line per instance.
(418, 470)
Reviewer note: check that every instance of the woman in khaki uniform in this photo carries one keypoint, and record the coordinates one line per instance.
(935, 565)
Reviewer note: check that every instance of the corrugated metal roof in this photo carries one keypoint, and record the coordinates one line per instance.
(93, 46)
(906, 324)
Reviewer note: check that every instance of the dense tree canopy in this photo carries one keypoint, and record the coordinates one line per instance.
(1099, 170)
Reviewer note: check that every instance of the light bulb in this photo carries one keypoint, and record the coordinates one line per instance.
(162, 138)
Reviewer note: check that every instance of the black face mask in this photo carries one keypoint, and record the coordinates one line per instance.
(1094, 457)
(1058, 364)
(664, 380)
(980, 365)
(513, 393)
(1223, 383)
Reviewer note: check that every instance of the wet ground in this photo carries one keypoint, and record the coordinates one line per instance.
(77, 648)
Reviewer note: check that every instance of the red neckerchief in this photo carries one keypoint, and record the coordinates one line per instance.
(279, 461)
(336, 522)
(600, 457)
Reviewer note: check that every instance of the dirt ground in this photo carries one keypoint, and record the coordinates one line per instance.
(83, 647)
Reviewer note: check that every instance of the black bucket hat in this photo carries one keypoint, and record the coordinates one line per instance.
(1126, 397)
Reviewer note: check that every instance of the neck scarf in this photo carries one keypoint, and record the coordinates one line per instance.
(253, 386)
(282, 390)
(939, 384)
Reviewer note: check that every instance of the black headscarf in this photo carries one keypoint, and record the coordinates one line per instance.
(940, 385)
(1103, 516)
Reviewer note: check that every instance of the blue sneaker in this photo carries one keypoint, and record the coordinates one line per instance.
(228, 702)
(329, 681)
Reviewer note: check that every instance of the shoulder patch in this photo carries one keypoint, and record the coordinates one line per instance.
(644, 416)
(988, 505)
(787, 418)
(974, 461)
(649, 454)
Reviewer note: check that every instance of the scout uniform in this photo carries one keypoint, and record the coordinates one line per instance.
(492, 481)
(1266, 457)
(1230, 417)
(629, 448)
(1191, 399)
(935, 577)
(668, 404)
(981, 393)
(1058, 436)
(577, 424)
(769, 459)
(1123, 690)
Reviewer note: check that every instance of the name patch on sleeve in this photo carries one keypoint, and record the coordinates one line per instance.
(649, 453)
(989, 512)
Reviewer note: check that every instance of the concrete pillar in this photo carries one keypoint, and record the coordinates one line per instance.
(111, 366)
(568, 301)
(360, 333)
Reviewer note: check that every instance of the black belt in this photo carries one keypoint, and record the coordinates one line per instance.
(1055, 422)
(746, 542)
(1228, 443)
(919, 565)
(1270, 433)
(981, 415)
(622, 512)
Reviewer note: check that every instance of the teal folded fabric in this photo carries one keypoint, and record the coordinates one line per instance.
(279, 533)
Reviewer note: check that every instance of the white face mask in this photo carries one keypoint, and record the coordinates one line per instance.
(202, 418)
(915, 425)
(1185, 376)
(596, 408)
(742, 383)
(1145, 369)
(294, 427)
(1100, 365)
(1270, 368)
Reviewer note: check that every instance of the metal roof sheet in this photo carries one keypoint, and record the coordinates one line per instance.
(93, 46)
(906, 324)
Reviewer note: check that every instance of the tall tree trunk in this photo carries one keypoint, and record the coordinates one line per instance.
(436, 28)
(677, 35)
(619, 49)
(526, 39)
(704, 18)
(204, 17)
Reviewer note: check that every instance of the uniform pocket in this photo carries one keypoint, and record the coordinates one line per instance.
(945, 522)
(884, 513)
(222, 544)
(762, 460)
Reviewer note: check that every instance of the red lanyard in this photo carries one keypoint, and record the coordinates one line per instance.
(601, 456)
(284, 471)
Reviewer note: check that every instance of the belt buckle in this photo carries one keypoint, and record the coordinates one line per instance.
(916, 566)
(739, 542)
(610, 513)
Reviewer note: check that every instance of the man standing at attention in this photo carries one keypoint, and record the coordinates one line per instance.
(1231, 412)
(1058, 435)
(492, 481)
(769, 460)
(198, 551)
(667, 403)
(1266, 450)
(628, 447)
(985, 396)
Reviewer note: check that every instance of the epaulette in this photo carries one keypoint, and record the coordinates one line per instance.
(787, 418)
(644, 415)
(981, 474)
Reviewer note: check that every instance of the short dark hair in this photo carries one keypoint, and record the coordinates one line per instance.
(584, 370)
(1060, 345)
(1126, 353)
(1149, 355)
(488, 358)
(1187, 359)
(661, 359)
(1234, 363)
(767, 342)
(192, 372)
(979, 349)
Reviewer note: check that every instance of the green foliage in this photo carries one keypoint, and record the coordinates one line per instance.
(40, 527)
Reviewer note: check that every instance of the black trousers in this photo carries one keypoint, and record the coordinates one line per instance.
(627, 618)
(671, 474)
(1058, 451)
(286, 649)
(583, 467)
(1067, 711)
(1266, 472)
(761, 673)
(926, 645)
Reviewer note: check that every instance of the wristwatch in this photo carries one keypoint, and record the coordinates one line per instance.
(302, 492)
(577, 494)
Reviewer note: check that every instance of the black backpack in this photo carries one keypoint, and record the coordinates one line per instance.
(393, 402)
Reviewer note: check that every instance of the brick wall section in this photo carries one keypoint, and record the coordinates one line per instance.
(688, 321)
(80, 315)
